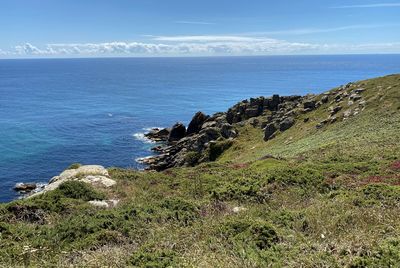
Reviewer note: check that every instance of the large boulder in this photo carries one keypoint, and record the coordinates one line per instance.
(272, 103)
(212, 133)
(178, 131)
(157, 134)
(92, 174)
(269, 131)
(227, 131)
(286, 124)
(252, 112)
(195, 124)
(25, 187)
(309, 104)
(276, 100)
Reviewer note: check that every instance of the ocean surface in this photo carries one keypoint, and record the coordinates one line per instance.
(54, 112)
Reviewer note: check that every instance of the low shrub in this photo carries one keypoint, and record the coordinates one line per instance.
(386, 255)
(153, 258)
(217, 148)
(299, 176)
(257, 234)
(192, 158)
(243, 189)
(380, 194)
(79, 190)
(74, 166)
(180, 210)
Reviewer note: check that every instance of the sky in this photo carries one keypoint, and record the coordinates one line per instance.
(118, 28)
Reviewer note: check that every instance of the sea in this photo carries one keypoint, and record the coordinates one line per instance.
(55, 112)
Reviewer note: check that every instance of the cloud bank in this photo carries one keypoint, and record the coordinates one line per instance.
(202, 45)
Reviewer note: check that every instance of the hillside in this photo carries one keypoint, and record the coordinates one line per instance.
(298, 186)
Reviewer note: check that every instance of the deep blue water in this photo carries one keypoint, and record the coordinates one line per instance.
(59, 111)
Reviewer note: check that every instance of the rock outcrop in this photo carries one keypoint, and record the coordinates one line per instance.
(276, 114)
(92, 174)
(191, 146)
(158, 135)
(196, 123)
(25, 187)
(178, 131)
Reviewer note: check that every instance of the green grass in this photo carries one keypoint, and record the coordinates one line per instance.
(310, 197)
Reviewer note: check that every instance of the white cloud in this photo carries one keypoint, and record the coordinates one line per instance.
(196, 46)
(194, 22)
(28, 49)
(377, 5)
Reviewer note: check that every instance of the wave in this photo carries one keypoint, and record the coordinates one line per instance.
(141, 160)
(141, 137)
(39, 187)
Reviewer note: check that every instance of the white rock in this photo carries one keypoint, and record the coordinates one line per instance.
(92, 174)
(92, 179)
(98, 203)
(238, 209)
(104, 203)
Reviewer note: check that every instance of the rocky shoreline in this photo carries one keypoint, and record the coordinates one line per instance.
(206, 137)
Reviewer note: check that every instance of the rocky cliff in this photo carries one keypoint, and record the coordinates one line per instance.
(206, 137)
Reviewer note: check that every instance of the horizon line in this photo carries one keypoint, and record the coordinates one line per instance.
(200, 56)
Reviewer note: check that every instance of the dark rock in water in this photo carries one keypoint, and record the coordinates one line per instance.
(158, 148)
(178, 131)
(269, 131)
(195, 124)
(157, 134)
(25, 187)
(286, 124)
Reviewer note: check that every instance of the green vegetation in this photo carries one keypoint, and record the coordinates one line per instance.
(310, 197)
(79, 190)
(74, 166)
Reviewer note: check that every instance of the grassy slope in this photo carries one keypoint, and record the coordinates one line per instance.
(331, 200)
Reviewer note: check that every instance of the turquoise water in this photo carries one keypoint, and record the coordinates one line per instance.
(54, 112)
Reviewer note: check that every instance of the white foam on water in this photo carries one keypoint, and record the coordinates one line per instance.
(141, 137)
(142, 159)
